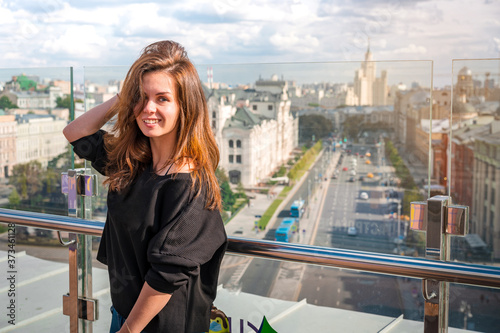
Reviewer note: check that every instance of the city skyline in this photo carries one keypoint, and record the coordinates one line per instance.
(100, 33)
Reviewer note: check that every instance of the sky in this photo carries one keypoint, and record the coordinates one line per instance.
(58, 33)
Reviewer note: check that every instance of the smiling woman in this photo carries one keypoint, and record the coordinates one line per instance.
(157, 116)
(163, 230)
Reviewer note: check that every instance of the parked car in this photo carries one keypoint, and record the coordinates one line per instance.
(351, 179)
(364, 196)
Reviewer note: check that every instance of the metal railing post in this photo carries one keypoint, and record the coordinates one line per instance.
(78, 303)
(440, 220)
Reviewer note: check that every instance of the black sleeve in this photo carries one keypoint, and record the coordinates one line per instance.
(181, 247)
(92, 149)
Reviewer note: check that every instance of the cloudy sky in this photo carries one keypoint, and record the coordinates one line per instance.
(41, 33)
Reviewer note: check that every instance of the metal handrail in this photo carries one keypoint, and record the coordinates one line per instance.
(487, 276)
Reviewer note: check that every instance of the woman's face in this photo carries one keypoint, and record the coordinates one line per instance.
(159, 117)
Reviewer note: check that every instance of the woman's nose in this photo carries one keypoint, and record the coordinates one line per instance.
(149, 107)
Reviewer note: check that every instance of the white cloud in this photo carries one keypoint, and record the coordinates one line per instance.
(411, 49)
(77, 41)
(292, 42)
(229, 31)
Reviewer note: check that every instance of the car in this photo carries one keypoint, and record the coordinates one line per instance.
(351, 179)
(345, 169)
(361, 178)
(352, 231)
(368, 154)
(369, 175)
(353, 173)
(368, 162)
(364, 195)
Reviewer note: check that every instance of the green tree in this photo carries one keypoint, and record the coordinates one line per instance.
(14, 198)
(5, 103)
(227, 195)
(27, 179)
(314, 124)
(352, 126)
(63, 102)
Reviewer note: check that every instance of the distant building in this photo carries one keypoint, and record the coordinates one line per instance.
(34, 99)
(464, 88)
(369, 89)
(254, 128)
(485, 214)
(462, 163)
(39, 138)
(8, 130)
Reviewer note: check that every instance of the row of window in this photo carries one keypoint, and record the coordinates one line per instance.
(238, 159)
(269, 107)
(238, 144)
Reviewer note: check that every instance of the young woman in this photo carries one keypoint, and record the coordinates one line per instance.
(164, 238)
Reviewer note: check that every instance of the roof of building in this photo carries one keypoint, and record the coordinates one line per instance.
(468, 133)
(243, 118)
(492, 139)
(24, 118)
(465, 71)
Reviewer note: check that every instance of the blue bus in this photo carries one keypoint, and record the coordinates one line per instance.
(291, 221)
(284, 233)
(297, 208)
(287, 230)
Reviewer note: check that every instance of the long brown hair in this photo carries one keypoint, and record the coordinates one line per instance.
(129, 150)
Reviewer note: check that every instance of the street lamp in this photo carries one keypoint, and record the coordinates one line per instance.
(308, 196)
(399, 219)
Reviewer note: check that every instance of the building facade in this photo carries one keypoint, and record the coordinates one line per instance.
(39, 138)
(254, 128)
(369, 89)
(8, 129)
(485, 215)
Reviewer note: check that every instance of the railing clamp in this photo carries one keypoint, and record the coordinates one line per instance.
(439, 219)
(79, 185)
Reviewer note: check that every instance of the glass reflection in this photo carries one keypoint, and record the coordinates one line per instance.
(34, 108)
(474, 157)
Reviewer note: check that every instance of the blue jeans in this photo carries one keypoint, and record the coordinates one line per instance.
(116, 321)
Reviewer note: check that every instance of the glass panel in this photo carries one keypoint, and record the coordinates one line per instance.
(357, 122)
(475, 157)
(474, 308)
(296, 297)
(319, 144)
(34, 108)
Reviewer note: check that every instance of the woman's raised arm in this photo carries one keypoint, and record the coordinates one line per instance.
(91, 121)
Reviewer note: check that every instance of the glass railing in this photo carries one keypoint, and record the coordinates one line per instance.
(339, 148)
(473, 154)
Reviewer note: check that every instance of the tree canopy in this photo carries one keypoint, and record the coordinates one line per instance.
(314, 124)
(5, 103)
